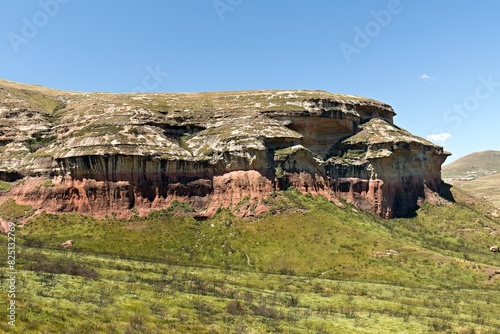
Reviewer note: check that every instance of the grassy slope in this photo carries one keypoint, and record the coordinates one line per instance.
(479, 161)
(324, 255)
(486, 186)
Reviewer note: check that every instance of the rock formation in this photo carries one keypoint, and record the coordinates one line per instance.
(100, 153)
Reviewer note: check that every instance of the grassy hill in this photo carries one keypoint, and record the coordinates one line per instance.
(308, 267)
(476, 164)
(484, 167)
(487, 187)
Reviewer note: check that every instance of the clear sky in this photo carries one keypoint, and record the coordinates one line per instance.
(435, 62)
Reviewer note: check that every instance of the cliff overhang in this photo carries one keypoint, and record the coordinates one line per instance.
(117, 153)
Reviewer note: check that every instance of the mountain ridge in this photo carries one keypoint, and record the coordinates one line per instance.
(473, 165)
(99, 152)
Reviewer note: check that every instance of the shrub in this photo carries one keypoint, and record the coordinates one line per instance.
(62, 266)
(180, 207)
(266, 312)
(137, 322)
(203, 307)
(37, 142)
(293, 301)
(33, 242)
(235, 307)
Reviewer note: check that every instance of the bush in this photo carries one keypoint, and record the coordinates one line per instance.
(235, 307)
(137, 322)
(203, 307)
(293, 301)
(180, 207)
(266, 312)
(33, 242)
(37, 142)
(62, 266)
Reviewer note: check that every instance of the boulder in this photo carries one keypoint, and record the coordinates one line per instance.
(67, 244)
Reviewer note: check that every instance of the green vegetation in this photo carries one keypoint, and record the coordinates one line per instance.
(279, 172)
(46, 184)
(483, 187)
(285, 153)
(143, 297)
(44, 103)
(10, 210)
(38, 142)
(308, 266)
(378, 131)
(484, 167)
(355, 154)
(5, 186)
(177, 207)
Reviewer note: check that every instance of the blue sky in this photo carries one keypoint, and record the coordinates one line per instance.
(435, 62)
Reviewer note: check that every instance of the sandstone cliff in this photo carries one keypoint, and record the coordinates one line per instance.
(103, 153)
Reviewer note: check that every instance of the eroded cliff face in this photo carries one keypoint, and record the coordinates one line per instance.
(122, 153)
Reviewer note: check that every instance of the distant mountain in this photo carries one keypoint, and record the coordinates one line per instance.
(478, 174)
(474, 165)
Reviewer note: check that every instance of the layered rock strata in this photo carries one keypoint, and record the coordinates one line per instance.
(117, 153)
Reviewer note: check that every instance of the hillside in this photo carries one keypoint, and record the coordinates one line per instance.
(99, 153)
(236, 212)
(486, 187)
(473, 165)
(306, 267)
(478, 174)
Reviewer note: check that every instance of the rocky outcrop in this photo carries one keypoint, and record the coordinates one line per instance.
(117, 153)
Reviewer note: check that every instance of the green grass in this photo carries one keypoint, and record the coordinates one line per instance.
(40, 101)
(487, 187)
(301, 235)
(144, 297)
(305, 267)
(5, 186)
(10, 210)
(46, 184)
